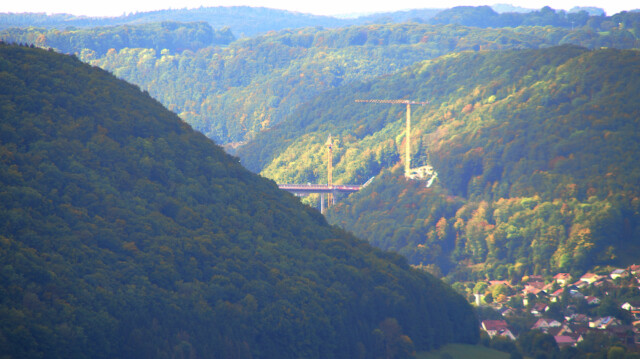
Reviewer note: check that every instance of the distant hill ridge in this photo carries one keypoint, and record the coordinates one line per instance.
(243, 20)
(251, 21)
(159, 36)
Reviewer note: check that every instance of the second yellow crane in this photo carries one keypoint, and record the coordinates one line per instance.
(407, 151)
(329, 145)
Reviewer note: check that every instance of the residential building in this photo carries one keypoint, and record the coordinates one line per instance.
(545, 323)
(590, 278)
(604, 322)
(497, 328)
(565, 341)
(619, 273)
(562, 279)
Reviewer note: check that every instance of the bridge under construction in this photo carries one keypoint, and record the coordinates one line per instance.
(329, 190)
(420, 173)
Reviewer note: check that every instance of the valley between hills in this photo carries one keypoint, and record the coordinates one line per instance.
(140, 218)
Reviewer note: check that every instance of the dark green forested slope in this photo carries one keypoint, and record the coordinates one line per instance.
(125, 233)
(537, 154)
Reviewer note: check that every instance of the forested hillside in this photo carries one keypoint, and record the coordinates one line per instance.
(270, 90)
(233, 93)
(485, 16)
(168, 36)
(124, 233)
(536, 151)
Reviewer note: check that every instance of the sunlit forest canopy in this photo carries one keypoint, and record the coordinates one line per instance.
(556, 129)
(233, 93)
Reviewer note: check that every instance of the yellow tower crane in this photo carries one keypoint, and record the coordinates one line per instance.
(329, 145)
(407, 151)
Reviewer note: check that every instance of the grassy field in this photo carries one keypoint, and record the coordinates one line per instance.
(463, 351)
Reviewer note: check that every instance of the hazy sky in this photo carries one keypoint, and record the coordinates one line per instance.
(325, 7)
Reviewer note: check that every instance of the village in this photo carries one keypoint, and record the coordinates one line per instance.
(605, 305)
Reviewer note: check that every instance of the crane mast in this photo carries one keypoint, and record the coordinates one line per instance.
(329, 145)
(407, 151)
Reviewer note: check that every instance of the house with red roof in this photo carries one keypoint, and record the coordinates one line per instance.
(556, 296)
(590, 278)
(591, 300)
(497, 328)
(535, 288)
(545, 323)
(562, 279)
(565, 341)
(634, 269)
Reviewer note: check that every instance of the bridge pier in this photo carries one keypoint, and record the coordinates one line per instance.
(322, 190)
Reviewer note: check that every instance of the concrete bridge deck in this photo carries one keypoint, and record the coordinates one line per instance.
(302, 189)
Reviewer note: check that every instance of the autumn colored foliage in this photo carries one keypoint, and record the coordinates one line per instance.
(125, 233)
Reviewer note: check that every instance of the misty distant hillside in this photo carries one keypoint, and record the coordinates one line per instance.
(242, 20)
